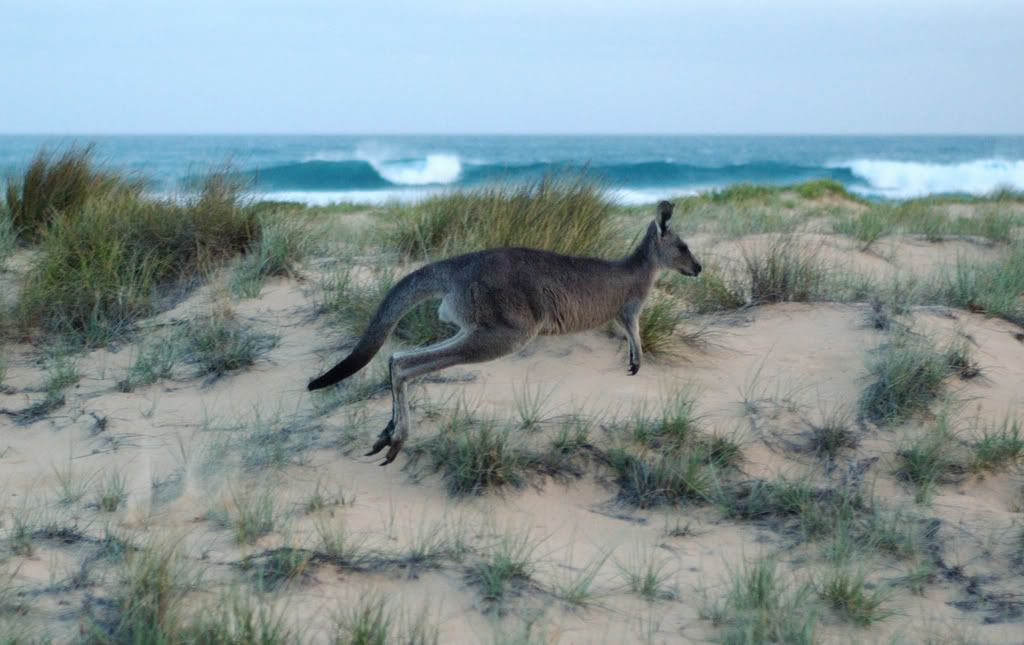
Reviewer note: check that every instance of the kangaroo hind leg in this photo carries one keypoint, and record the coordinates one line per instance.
(398, 389)
(629, 319)
(476, 346)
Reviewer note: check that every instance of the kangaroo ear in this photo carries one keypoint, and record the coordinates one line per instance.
(664, 215)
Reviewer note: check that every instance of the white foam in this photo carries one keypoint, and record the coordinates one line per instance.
(391, 164)
(435, 169)
(330, 155)
(900, 179)
(641, 196)
(328, 197)
(624, 196)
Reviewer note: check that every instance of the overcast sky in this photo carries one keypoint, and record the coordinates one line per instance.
(522, 66)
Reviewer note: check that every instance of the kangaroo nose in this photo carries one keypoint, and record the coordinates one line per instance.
(699, 268)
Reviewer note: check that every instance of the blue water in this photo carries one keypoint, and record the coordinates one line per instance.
(323, 169)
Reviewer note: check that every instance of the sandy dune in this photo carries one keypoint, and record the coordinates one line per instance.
(767, 375)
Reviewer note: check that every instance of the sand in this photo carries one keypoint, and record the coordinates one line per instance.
(768, 374)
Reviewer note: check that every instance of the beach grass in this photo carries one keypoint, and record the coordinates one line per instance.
(906, 374)
(785, 270)
(762, 607)
(123, 257)
(565, 212)
(56, 186)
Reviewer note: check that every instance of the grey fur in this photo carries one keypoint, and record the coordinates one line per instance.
(502, 298)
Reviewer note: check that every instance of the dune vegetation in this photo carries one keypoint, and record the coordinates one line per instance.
(823, 444)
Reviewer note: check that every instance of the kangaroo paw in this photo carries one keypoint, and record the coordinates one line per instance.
(392, 452)
(383, 440)
(634, 368)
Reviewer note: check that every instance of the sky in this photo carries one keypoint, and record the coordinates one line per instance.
(516, 67)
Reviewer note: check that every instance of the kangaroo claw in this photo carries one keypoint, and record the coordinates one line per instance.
(634, 368)
(383, 440)
(396, 446)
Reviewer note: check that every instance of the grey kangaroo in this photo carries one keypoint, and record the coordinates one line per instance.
(500, 299)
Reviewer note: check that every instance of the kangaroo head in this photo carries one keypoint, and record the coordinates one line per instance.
(671, 251)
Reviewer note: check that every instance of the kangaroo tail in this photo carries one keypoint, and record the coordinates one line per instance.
(427, 282)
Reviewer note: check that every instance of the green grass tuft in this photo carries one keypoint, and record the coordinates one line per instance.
(992, 288)
(660, 322)
(905, 376)
(155, 359)
(284, 242)
(123, 256)
(238, 618)
(867, 227)
(505, 564)
(833, 433)
(566, 213)
(255, 515)
(999, 445)
(819, 188)
(112, 492)
(52, 187)
(647, 575)
(672, 428)
(762, 608)
(849, 596)
(475, 456)
(220, 344)
(785, 271)
(147, 606)
(738, 193)
(373, 621)
(928, 459)
(353, 299)
(668, 479)
(712, 292)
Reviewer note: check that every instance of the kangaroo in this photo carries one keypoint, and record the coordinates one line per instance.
(501, 299)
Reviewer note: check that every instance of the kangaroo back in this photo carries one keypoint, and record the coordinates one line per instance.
(427, 282)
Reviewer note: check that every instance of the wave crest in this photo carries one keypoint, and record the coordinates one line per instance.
(900, 179)
(435, 169)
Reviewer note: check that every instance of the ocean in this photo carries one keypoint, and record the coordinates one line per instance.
(637, 169)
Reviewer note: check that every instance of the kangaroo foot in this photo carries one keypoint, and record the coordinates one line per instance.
(634, 368)
(383, 440)
(392, 452)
